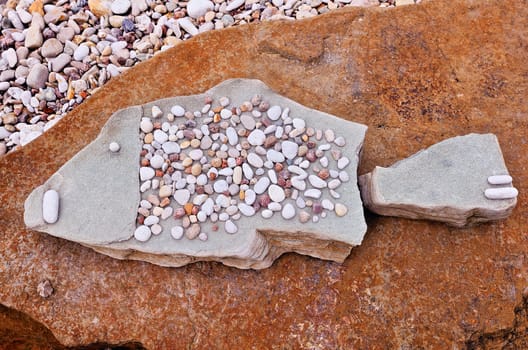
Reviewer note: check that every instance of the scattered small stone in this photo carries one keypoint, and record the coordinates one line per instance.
(340, 209)
(45, 289)
(114, 147)
(50, 206)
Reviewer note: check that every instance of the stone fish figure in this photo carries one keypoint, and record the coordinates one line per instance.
(242, 175)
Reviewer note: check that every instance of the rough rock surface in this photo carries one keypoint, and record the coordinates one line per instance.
(99, 193)
(445, 182)
(415, 75)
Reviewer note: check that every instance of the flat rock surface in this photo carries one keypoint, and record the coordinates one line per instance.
(99, 196)
(445, 182)
(416, 75)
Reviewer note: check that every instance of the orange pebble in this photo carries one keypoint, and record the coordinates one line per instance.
(188, 208)
(159, 173)
(165, 201)
(242, 195)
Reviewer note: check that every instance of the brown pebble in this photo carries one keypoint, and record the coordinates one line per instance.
(196, 169)
(317, 208)
(193, 231)
(143, 152)
(278, 167)
(214, 228)
(199, 189)
(212, 176)
(174, 157)
(301, 152)
(270, 141)
(310, 155)
(145, 162)
(264, 106)
(159, 173)
(217, 109)
(195, 209)
(264, 200)
(310, 144)
(216, 162)
(208, 100)
(140, 219)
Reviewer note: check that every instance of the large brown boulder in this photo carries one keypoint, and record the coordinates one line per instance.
(415, 75)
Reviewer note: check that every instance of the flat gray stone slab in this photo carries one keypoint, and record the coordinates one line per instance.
(445, 182)
(99, 196)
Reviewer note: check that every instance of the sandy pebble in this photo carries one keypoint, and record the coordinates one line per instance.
(156, 229)
(304, 216)
(165, 191)
(340, 209)
(193, 231)
(142, 233)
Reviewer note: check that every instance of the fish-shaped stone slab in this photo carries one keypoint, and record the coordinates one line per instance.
(238, 174)
(460, 181)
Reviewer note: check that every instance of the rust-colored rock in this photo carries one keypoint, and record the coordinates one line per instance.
(415, 75)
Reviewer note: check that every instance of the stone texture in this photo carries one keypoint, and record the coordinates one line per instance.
(445, 182)
(416, 75)
(102, 214)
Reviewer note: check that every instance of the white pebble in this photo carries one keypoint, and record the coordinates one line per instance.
(500, 180)
(156, 229)
(177, 232)
(151, 220)
(276, 193)
(247, 121)
(171, 147)
(288, 211)
(274, 206)
(146, 125)
(274, 112)
(142, 233)
(316, 181)
(203, 236)
(256, 137)
(340, 141)
(312, 193)
(266, 213)
(178, 111)
(501, 193)
(182, 196)
(198, 8)
(220, 186)
(289, 149)
(298, 183)
(343, 176)
(146, 173)
(232, 136)
(262, 185)
(50, 206)
(230, 227)
(300, 203)
(245, 209)
(327, 204)
(333, 184)
(114, 147)
(299, 123)
(160, 136)
(248, 172)
(225, 113)
(250, 197)
(343, 162)
(255, 160)
(157, 161)
(329, 135)
(275, 156)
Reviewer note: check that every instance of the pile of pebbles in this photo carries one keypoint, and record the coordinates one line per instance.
(223, 162)
(54, 55)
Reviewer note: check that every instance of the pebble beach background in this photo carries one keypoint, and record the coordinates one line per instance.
(55, 54)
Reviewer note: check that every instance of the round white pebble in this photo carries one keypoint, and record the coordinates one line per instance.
(202, 236)
(157, 161)
(178, 111)
(230, 227)
(146, 173)
(245, 209)
(274, 112)
(266, 213)
(255, 160)
(276, 193)
(142, 233)
(289, 149)
(288, 211)
(256, 137)
(156, 229)
(262, 185)
(114, 147)
(146, 125)
(177, 232)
